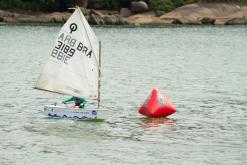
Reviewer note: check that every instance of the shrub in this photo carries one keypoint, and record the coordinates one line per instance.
(37, 5)
(60, 5)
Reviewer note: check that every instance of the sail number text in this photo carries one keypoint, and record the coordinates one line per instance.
(66, 47)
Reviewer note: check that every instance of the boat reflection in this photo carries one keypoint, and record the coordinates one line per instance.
(157, 122)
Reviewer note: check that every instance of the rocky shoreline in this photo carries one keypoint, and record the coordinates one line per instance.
(196, 14)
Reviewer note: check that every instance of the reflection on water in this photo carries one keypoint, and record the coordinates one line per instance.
(157, 122)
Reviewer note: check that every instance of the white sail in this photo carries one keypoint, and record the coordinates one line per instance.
(73, 65)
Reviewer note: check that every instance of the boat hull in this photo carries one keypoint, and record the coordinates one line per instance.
(76, 113)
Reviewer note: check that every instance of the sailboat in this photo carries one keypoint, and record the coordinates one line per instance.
(73, 68)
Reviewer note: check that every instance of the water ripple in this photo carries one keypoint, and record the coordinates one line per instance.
(202, 69)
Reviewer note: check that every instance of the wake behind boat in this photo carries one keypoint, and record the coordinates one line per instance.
(73, 68)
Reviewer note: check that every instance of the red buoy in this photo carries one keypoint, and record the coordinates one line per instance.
(157, 105)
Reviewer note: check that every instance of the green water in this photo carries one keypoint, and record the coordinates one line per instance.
(202, 69)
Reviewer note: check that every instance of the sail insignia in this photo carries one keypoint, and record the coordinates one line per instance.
(73, 65)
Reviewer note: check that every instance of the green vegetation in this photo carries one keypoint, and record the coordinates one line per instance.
(110, 4)
(60, 5)
(168, 5)
(36, 5)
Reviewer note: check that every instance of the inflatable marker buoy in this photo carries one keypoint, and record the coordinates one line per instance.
(157, 105)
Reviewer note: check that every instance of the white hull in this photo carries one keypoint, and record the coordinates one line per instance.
(76, 113)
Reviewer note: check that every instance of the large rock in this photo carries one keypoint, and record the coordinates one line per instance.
(6, 14)
(114, 20)
(57, 17)
(236, 21)
(125, 12)
(34, 17)
(207, 21)
(159, 13)
(206, 13)
(85, 11)
(93, 16)
(145, 18)
(96, 13)
(96, 19)
(139, 6)
(199, 13)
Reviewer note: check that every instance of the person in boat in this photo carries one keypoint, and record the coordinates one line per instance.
(79, 102)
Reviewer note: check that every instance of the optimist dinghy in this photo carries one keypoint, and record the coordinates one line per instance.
(73, 68)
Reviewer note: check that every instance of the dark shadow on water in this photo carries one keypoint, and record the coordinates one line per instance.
(74, 119)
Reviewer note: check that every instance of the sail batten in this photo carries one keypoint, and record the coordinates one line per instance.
(73, 65)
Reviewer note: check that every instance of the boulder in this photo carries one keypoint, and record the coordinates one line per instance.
(159, 13)
(30, 19)
(1, 13)
(237, 21)
(139, 6)
(208, 21)
(114, 20)
(96, 13)
(56, 17)
(221, 20)
(207, 13)
(125, 12)
(145, 18)
(6, 14)
(96, 19)
(177, 21)
(85, 11)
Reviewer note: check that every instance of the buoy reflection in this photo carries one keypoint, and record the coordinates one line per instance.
(157, 122)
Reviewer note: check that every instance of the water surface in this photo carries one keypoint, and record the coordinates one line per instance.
(203, 69)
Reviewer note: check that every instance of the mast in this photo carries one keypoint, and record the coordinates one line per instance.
(99, 64)
(99, 74)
